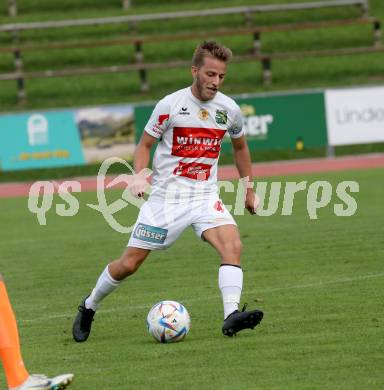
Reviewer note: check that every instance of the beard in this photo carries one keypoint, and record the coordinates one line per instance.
(204, 93)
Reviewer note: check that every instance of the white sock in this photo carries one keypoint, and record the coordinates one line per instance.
(230, 284)
(104, 286)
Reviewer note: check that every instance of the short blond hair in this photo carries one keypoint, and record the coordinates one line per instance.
(210, 49)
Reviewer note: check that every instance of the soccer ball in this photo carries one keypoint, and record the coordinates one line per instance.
(168, 321)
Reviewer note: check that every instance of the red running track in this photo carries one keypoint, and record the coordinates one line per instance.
(277, 168)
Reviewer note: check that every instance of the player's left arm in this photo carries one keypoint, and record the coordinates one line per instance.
(244, 166)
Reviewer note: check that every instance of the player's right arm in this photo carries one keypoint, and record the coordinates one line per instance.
(157, 124)
(139, 182)
(154, 129)
(143, 152)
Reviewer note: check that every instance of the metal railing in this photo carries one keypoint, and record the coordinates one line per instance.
(142, 68)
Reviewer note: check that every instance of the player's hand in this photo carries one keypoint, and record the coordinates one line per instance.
(252, 201)
(139, 183)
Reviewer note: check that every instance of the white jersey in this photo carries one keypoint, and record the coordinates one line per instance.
(190, 134)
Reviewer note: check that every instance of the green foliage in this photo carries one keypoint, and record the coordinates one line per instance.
(319, 283)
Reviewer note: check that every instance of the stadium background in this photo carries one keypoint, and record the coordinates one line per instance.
(319, 282)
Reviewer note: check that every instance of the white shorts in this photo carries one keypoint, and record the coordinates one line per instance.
(159, 224)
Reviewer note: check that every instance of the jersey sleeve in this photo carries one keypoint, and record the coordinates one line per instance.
(236, 129)
(159, 120)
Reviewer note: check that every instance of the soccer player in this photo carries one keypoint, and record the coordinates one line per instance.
(17, 375)
(188, 126)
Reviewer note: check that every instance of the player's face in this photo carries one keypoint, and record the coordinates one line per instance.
(208, 78)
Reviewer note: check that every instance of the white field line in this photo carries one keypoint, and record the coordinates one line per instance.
(217, 296)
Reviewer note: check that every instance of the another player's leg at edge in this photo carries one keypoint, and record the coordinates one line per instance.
(18, 377)
(225, 239)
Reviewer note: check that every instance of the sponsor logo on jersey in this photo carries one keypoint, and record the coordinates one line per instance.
(196, 142)
(195, 171)
(184, 111)
(235, 130)
(157, 128)
(150, 233)
(221, 117)
(162, 119)
(203, 114)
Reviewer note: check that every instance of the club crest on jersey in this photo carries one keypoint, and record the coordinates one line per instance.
(203, 114)
(221, 117)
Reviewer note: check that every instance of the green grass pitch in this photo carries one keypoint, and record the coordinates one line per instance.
(319, 282)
